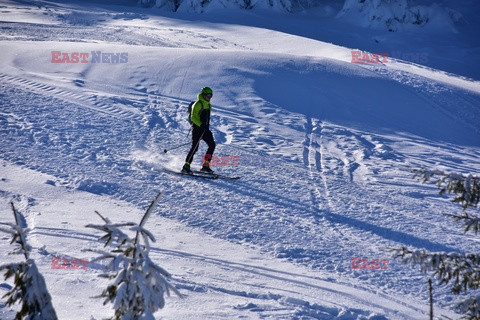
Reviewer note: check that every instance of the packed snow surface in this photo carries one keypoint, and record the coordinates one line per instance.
(325, 151)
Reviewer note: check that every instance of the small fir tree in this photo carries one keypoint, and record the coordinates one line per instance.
(463, 270)
(29, 285)
(139, 285)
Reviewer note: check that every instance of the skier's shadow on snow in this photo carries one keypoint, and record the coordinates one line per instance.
(386, 233)
(389, 234)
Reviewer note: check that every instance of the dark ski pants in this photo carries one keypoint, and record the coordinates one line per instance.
(197, 135)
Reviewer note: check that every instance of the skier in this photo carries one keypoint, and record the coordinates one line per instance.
(200, 118)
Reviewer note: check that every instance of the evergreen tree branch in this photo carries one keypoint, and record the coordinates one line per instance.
(462, 270)
(138, 285)
(469, 222)
(470, 307)
(467, 189)
(29, 287)
(20, 235)
(150, 209)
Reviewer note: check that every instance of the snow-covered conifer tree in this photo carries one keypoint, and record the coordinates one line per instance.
(29, 287)
(396, 15)
(463, 270)
(205, 5)
(139, 285)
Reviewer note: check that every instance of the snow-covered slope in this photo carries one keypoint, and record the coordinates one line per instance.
(324, 147)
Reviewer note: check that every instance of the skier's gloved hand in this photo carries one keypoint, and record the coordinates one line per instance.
(204, 127)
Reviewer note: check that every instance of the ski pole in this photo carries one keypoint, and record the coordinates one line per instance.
(166, 150)
(184, 144)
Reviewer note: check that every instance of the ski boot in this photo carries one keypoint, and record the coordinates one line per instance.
(206, 169)
(186, 169)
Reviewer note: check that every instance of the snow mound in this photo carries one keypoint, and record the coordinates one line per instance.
(399, 15)
(97, 187)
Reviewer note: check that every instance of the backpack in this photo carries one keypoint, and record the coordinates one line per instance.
(190, 105)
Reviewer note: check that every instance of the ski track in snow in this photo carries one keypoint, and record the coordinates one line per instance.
(294, 201)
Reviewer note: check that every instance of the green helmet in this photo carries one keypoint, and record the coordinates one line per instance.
(206, 90)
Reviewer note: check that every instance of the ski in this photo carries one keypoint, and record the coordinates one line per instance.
(203, 175)
(216, 175)
(194, 174)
